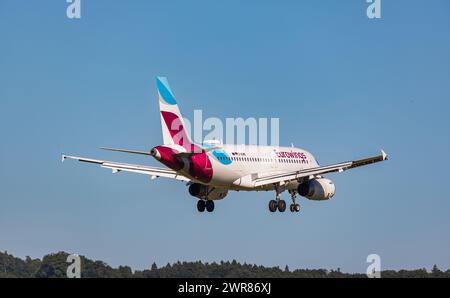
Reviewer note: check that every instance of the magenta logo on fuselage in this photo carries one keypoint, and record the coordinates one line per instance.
(200, 166)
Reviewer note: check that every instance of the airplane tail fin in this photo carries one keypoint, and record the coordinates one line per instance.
(172, 123)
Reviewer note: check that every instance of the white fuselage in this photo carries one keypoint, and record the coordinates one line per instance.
(236, 166)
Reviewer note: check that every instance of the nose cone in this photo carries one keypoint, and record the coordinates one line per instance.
(155, 153)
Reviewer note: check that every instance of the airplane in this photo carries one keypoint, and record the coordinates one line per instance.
(212, 169)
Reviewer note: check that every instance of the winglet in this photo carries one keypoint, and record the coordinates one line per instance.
(384, 155)
(63, 157)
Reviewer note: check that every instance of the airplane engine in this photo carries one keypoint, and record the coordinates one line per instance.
(317, 189)
(204, 192)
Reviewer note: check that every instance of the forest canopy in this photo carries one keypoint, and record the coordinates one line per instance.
(55, 266)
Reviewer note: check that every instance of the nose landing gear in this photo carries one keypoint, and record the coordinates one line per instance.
(294, 207)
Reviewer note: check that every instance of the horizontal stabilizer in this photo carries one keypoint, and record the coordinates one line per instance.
(117, 167)
(127, 151)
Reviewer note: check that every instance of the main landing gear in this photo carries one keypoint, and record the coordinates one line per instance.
(280, 205)
(205, 204)
(277, 203)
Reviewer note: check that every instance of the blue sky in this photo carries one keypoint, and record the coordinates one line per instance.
(342, 85)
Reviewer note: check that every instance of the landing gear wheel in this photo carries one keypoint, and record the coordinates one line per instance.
(209, 206)
(201, 205)
(294, 207)
(281, 205)
(273, 205)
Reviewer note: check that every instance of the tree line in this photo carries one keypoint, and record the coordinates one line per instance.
(55, 266)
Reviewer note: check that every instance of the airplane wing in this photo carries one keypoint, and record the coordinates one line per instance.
(154, 172)
(340, 167)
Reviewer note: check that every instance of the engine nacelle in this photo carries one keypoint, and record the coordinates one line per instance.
(317, 189)
(205, 192)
